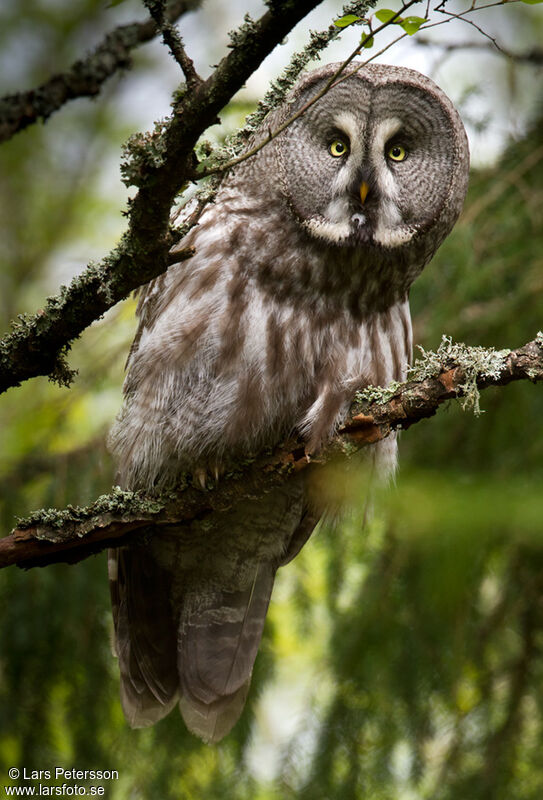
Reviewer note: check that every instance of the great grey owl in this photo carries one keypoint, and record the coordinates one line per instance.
(297, 296)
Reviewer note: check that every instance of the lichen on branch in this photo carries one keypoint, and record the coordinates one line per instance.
(452, 371)
(477, 363)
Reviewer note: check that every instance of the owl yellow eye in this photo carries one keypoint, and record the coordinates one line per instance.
(397, 152)
(338, 148)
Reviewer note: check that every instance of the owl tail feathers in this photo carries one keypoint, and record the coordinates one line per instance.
(201, 652)
(141, 710)
(145, 636)
(213, 721)
(218, 641)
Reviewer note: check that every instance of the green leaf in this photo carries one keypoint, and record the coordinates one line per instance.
(344, 22)
(386, 14)
(412, 24)
(113, 3)
(369, 42)
(531, 2)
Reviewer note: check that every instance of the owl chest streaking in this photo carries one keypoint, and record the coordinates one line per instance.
(295, 298)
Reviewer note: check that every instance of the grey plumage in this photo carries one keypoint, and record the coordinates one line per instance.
(295, 298)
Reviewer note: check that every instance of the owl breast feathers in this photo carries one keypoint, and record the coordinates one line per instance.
(295, 298)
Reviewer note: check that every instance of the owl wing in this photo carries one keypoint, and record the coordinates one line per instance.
(145, 635)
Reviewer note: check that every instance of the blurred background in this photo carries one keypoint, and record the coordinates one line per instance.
(402, 657)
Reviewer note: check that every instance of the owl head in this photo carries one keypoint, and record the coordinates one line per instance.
(380, 162)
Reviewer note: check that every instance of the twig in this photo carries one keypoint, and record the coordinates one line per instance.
(462, 16)
(173, 41)
(84, 78)
(74, 534)
(533, 56)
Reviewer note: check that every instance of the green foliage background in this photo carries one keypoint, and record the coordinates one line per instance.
(402, 656)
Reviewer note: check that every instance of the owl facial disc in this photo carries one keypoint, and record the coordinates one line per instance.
(379, 163)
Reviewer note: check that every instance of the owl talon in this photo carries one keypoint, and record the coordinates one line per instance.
(200, 475)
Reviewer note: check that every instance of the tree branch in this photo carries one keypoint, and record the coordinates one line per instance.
(159, 164)
(453, 371)
(85, 77)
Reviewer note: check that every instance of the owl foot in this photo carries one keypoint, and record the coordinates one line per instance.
(203, 474)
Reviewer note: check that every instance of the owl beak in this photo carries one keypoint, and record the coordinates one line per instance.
(364, 189)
